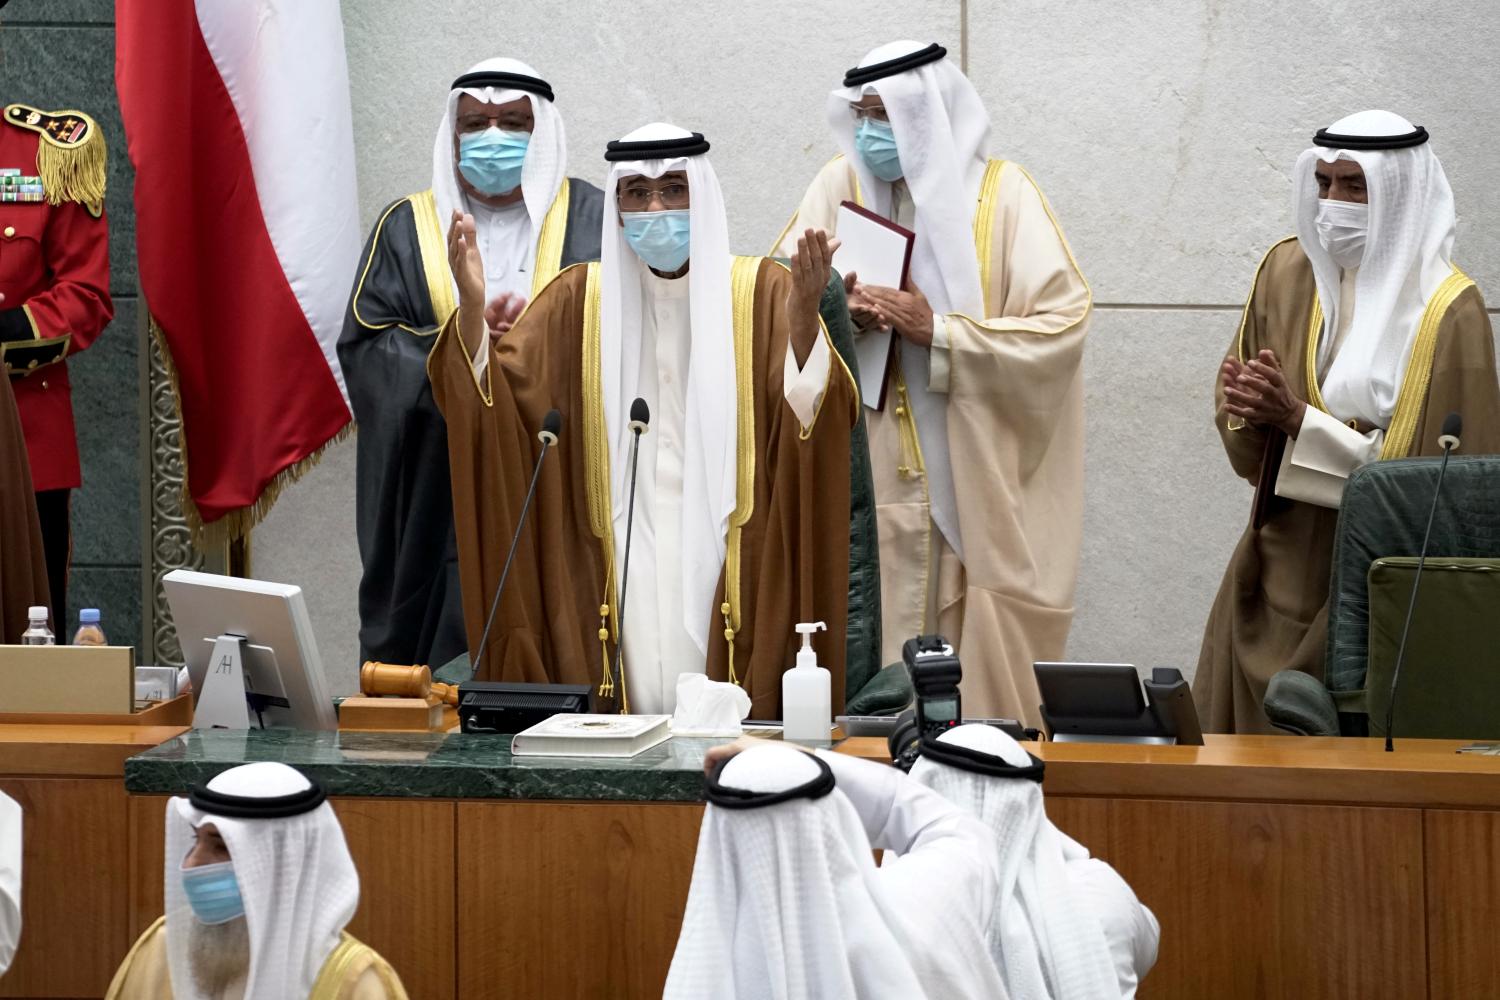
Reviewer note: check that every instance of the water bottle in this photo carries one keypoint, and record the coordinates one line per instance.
(37, 633)
(89, 631)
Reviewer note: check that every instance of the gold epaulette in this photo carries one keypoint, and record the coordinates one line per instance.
(71, 156)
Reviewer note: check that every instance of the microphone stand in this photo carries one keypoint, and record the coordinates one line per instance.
(637, 428)
(548, 436)
(1449, 442)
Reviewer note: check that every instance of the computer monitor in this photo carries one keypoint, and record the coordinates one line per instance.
(283, 674)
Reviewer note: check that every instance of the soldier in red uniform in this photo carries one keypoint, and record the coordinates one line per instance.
(54, 276)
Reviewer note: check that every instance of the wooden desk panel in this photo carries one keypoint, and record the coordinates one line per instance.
(1463, 902)
(403, 849)
(73, 867)
(571, 899)
(76, 751)
(1261, 900)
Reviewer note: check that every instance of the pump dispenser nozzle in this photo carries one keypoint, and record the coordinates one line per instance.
(806, 657)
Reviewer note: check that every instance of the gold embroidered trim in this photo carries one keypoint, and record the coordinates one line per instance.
(359, 288)
(1310, 362)
(742, 278)
(549, 243)
(1414, 384)
(338, 967)
(433, 240)
(36, 333)
(984, 225)
(597, 481)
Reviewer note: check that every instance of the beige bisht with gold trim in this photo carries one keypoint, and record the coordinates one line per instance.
(1381, 349)
(978, 452)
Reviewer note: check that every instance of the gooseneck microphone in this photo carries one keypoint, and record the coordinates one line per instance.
(1453, 426)
(551, 427)
(640, 422)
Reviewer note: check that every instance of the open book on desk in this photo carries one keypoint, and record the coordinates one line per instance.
(878, 252)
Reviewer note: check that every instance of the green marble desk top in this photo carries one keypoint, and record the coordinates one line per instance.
(425, 765)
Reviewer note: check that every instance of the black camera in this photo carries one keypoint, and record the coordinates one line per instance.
(935, 673)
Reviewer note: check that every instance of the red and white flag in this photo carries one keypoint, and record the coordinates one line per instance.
(238, 125)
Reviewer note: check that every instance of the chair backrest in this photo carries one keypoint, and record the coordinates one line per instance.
(862, 637)
(1384, 514)
(1450, 682)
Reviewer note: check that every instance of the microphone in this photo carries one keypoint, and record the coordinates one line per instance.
(1453, 426)
(551, 427)
(640, 421)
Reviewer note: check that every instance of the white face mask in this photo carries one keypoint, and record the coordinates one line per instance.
(1341, 229)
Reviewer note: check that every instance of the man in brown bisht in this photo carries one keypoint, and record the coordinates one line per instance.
(741, 515)
(23, 562)
(1359, 337)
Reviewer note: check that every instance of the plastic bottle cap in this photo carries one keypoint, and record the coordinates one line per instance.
(37, 611)
(89, 616)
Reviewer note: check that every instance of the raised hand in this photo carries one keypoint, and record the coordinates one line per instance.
(811, 266)
(468, 273)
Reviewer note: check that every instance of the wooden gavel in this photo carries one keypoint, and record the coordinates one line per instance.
(400, 681)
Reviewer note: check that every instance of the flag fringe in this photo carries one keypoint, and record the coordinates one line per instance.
(237, 523)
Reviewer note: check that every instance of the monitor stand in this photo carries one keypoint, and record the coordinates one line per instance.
(222, 703)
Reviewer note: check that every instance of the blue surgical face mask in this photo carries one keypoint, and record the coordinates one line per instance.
(876, 144)
(661, 239)
(491, 160)
(213, 892)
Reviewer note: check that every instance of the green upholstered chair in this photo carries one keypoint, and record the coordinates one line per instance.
(1454, 649)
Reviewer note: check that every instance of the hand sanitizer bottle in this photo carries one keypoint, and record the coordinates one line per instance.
(806, 708)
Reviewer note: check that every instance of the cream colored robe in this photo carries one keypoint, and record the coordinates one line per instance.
(352, 972)
(1014, 382)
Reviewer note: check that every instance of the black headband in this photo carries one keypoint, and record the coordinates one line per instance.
(900, 64)
(740, 798)
(656, 149)
(505, 81)
(977, 761)
(207, 800)
(1335, 141)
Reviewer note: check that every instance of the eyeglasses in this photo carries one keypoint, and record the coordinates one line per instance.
(509, 122)
(636, 197)
(875, 114)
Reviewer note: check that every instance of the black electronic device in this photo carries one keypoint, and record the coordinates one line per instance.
(499, 707)
(1103, 702)
(1448, 440)
(935, 673)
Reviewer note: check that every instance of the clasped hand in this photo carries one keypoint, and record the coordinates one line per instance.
(908, 313)
(1257, 392)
